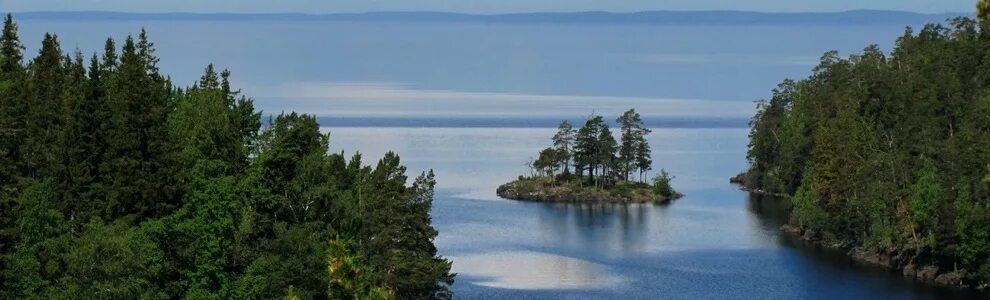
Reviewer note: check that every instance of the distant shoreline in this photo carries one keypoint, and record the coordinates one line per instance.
(660, 18)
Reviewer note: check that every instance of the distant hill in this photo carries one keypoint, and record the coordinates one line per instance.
(853, 17)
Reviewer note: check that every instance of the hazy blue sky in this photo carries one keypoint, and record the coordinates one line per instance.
(479, 6)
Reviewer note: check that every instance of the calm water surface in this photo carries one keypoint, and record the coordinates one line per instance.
(475, 101)
(716, 243)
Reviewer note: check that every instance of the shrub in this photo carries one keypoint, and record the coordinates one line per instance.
(661, 184)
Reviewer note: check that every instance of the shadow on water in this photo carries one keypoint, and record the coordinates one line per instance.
(774, 211)
(604, 228)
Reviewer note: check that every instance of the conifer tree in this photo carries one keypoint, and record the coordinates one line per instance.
(564, 141)
(140, 159)
(586, 147)
(45, 83)
(81, 144)
(12, 123)
(115, 185)
(634, 152)
(605, 157)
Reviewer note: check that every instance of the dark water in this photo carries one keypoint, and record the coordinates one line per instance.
(475, 101)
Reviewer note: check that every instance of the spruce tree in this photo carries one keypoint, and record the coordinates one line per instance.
(12, 107)
(139, 167)
(45, 82)
(80, 146)
(12, 123)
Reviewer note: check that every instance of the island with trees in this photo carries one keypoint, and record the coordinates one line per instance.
(604, 170)
(116, 184)
(886, 156)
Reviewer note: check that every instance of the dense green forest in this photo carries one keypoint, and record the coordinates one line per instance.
(889, 152)
(601, 163)
(115, 184)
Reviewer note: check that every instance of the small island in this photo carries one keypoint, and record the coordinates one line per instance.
(604, 170)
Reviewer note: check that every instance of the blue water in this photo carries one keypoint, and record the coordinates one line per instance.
(475, 101)
(715, 243)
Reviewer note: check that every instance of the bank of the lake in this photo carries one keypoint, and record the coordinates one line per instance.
(543, 189)
(910, 265)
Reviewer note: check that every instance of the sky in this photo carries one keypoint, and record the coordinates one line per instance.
(480, 6)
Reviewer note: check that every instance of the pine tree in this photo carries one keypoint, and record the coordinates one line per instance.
(644, 162)
(397, 236)
(605, 156)
(634, 151)
(564, 141)
(586, 147)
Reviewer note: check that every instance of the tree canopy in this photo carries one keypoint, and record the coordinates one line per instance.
(889, 151)
(600, 161)
(116, 184)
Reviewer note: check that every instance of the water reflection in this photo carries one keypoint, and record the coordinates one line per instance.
(770, 211)
(604, 228)
(773, 211)
(533, 271)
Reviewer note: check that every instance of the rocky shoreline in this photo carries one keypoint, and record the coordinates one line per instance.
(518, 190)
(893, 260)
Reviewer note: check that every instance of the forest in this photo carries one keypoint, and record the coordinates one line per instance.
(889, 152)
(603, 167)
(117, 184)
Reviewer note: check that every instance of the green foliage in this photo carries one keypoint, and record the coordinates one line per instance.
(807, 210)
(550, 161)
(115, 185)
(634, 151)
(349, 276)
(884, 233)
(925, 196)
(587, 152)
(983, 10)
(593, 150)
(395, 235)
(661, 184)
(974, 235)
(867, 145)
(564, 143)
(113, 262)
(139, 167)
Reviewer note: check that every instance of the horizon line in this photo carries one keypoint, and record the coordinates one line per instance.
(487, 14)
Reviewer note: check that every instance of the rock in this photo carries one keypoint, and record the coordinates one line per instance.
(910, 270)
(809, 235)
(837, 244)
(927, 273)
(949, 279)
(788, 228)
(871, 257)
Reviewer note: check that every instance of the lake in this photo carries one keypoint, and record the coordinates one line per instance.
(475, 101)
